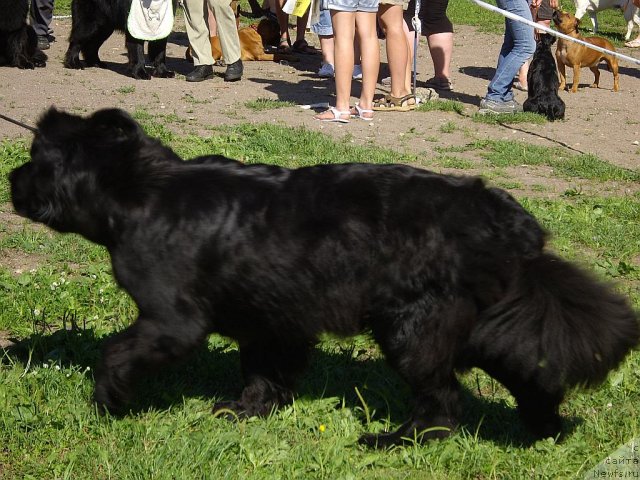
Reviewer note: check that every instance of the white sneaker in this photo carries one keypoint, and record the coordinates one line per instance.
(326, 71)
(357, 72)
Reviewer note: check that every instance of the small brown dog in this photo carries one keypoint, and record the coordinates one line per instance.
(576, 56)
(252, 42)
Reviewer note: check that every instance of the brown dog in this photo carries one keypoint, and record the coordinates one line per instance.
(577, 56)
(252, 42)
(252, 46)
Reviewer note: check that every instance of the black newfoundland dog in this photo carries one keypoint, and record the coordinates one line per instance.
(445, 272)
(18, 41)
(543, 82)
(93, 21)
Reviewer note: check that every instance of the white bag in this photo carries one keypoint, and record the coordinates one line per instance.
(150, 19)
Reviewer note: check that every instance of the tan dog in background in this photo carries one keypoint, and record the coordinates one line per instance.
(252, 43)
(576, 56)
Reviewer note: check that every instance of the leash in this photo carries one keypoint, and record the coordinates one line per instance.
(555, 33)
(417, 30)
(20, 124)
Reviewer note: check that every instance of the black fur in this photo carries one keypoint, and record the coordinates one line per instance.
(93, 21)
(446, 272)
(543, 82)
(18, 41)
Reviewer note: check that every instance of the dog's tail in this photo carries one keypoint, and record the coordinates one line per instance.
(557, 326)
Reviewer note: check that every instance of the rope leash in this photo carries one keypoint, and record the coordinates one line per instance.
(20, 124)
(555, 33)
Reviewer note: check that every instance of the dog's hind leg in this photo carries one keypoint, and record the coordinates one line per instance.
(269, 369)
(146, 345)
(422, 347)
(158, 56)
(596, 74)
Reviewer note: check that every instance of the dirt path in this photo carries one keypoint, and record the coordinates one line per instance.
(601, 122)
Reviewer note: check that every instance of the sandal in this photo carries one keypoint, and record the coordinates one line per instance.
(337, 116)
(302, 47)
(358, 112)
(439, 83)
(284, 46)
(395, 104)
(518, 86)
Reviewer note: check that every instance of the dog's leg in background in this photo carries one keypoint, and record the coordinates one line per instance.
(576, 79)
(145, 346)
(596, 75)
(87, 36)
(158, 57)
(269, 370)
(420, 343)
(135, 53)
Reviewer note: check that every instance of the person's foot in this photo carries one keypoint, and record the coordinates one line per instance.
(357, 72)
(200, 73)
(326, 71)
(234, 71)
(493, 106)
(43, 42)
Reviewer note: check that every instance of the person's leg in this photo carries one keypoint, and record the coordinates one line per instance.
(211, 21)
(397, 49)
(441, 50)
(343, 36)
(227, 30)
(197, 32)
(324, 30)
(283, 22)
(41, 16)
(370, 52)
(523, 84)
(517, 47)
(301, 26)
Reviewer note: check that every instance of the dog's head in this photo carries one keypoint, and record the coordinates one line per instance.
(565, 22)
(81, 167)
(269, 30)
(545, 41)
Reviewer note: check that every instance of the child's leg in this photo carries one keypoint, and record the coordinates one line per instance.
(343, 35)
(370, 51)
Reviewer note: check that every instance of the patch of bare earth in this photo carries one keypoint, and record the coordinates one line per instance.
(598, 121)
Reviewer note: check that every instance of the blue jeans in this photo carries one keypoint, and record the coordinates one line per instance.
(518, 46)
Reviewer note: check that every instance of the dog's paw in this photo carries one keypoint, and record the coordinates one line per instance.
(163, 72)
(141, 74)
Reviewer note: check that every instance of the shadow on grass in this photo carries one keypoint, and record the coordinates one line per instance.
(214, 372)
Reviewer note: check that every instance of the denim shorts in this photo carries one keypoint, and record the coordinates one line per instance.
(351, 5)
(324, 27)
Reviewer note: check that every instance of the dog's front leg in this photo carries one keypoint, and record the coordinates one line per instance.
(146, 345)
(158, 56)
(135, 53)
(269, 370)
(576, 78)
(562, 74)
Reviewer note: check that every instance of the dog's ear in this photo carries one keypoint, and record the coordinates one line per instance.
(577, 24)
(112, 126)
(58, 126)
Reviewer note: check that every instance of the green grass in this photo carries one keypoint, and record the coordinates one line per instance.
(261, 104)
(60, 308)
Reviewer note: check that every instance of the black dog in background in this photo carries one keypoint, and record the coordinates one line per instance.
(18, 41)
(543, 82)
(93, 21)
(445, 272)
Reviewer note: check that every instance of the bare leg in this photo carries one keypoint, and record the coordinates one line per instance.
(397, 48)
(370, 52)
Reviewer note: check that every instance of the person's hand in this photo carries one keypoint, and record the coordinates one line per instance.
(554, 4)
(536, 3)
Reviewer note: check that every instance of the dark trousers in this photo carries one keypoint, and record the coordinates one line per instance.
(41, 16)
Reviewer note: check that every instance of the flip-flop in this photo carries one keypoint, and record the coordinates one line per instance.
(390, 103)
(337, 116)
(439, 84)
(357, 112)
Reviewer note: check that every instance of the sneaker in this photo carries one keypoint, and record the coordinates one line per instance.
(386, 81)
(326, 71)
(43, 42)
(493, 106)
(357, 72)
